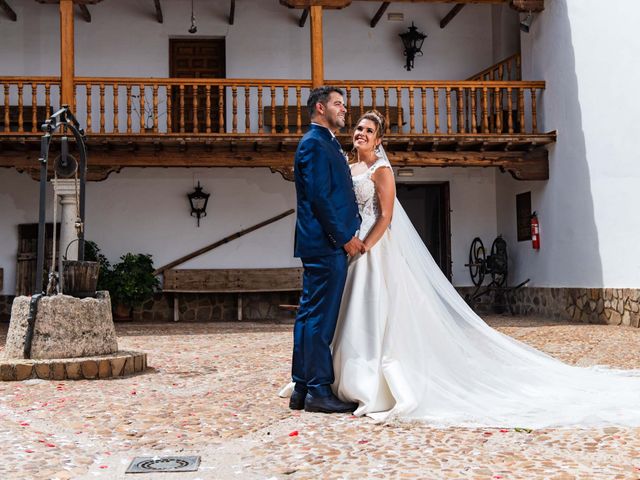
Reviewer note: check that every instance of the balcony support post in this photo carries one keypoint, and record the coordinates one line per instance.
(67, 62)
(317, 60)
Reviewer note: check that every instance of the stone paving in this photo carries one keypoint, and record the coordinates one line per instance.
(211, 390)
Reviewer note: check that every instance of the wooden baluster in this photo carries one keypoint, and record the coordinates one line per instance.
(374, 91)
(497, 109)
(399, 100)
(509, 70)
(47, 99)
(273, 109)
(128, 108)
(460, 102)
(386, 110)
(102, 119)
(34, 105)
(490, 110)
(207, 108)
(298, 111)
(181, 108)
(169, 94)
(20, 109)
(474, 111)
(221, 108)
(518, 68)
(260, 112)
(521, 109)
(247, 109)
(510, 109)
(534, 111)
(89, 90)
(141, 105)
(154, 107)
(436, 109)
(425, 123)
(196, 90)
(285, 107)
(349, 117)
(412, 118)
(448, 103)
(360, 101)
(501, 72)
(116, 128)
(485, 113)
(7, 128)
(234, 118)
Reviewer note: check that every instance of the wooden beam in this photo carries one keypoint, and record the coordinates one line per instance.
(303, 17)
(527, 5)
(159, 16)
(346, 3)
(8, 10)
(376, 18)
(452, 13)
(317, 60)
(67, 60)
(316, 3)
(232, 12)
(85, 13)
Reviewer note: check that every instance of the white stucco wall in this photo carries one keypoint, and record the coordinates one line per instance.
(147, 211)
(587, 52)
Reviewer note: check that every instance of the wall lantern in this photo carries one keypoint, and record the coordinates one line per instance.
(198, 200)
(412, 41)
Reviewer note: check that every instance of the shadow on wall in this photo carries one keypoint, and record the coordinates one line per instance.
(570, 252)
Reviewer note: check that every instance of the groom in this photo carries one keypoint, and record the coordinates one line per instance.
(327, 221)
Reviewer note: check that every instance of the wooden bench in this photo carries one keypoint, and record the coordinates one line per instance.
(292, 118)
(239, 280)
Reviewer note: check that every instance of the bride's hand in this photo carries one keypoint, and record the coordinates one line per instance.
(365, 248)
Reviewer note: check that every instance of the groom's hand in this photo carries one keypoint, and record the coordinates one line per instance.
(353, 246)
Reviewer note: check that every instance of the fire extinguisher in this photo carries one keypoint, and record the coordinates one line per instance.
(535, 231)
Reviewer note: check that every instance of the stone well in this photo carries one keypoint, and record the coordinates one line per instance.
(72, 339)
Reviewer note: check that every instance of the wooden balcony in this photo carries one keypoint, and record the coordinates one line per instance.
(171, 122)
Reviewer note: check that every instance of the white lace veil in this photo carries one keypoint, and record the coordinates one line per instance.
(472, 374)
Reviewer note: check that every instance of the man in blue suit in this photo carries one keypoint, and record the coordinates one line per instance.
(326, 226)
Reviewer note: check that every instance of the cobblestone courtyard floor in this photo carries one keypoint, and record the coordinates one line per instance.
(212, 391)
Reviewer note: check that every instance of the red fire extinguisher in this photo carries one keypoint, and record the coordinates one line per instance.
(535, 231)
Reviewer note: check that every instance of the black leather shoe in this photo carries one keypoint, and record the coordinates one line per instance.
(330, 404)
(296, 402)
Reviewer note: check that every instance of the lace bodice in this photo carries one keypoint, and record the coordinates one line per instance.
(365, 190)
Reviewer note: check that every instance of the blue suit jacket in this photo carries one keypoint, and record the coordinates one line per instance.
(327, 214)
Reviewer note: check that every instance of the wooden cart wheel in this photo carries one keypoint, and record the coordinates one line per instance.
(477, 262)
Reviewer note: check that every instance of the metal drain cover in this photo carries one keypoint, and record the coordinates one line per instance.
(164, 464)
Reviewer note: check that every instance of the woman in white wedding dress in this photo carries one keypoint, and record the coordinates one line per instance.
(408, 347)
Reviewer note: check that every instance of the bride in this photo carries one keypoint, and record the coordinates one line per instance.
(408, 347)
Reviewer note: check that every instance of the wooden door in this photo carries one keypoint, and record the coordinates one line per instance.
(28, 255)
(195, 58)
(427, 206)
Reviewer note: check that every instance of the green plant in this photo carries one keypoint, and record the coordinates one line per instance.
(132, 281)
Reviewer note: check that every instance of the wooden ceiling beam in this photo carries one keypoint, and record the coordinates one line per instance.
(78, 2)
(8, 10)
(159, 16)
(452, 13)
(84, 12)
(232, 12)
(376, 18)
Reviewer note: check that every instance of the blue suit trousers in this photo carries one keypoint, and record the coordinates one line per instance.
(322, 285)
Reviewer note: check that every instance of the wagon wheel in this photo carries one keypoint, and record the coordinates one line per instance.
(477, 262)
(500, 262)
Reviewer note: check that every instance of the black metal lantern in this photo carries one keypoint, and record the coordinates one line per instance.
(198, 200)
(412, 41)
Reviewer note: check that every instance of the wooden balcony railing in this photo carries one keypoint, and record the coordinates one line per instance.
(242, 107)
(506, 70)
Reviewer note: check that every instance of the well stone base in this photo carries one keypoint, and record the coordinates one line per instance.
(65, 327)
(86, 368)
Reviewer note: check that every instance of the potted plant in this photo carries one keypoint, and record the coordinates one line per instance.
(132, 282)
